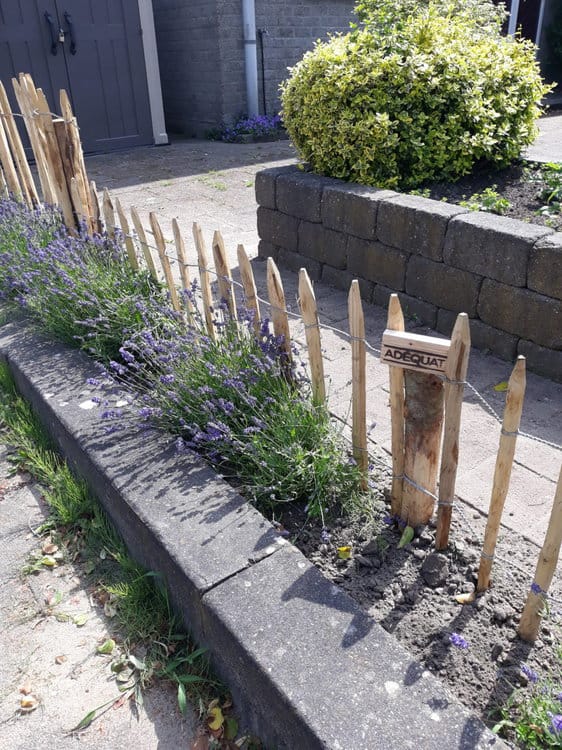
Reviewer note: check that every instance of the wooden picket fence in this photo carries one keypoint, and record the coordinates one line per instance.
(427, 375)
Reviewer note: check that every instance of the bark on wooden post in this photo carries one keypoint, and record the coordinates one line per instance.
(423, 419)
(279, 315)
(206, 294)
(145, 249)
(358, 380)
(395, 322)
(164, 260)
(108, 214)
(95, 211)
(502, 471)
(8, 165)
(182, 261)
(26, 178)
(249, 284)
(546, 566)
(224, 277)
(455, 375)
(309, 312)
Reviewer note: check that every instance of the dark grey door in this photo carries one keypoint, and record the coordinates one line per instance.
(91, 48)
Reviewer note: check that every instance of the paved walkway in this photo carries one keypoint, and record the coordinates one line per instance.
(212, 183)
(548, 146)
(51, 629)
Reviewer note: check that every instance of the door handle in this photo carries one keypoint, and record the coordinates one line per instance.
(54, 33)
(70, 24)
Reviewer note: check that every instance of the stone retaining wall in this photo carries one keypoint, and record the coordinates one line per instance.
(440, 258)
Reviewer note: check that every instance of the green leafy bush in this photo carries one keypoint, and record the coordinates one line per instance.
(426, 98)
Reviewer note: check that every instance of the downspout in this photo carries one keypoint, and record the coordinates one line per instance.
(250, 56)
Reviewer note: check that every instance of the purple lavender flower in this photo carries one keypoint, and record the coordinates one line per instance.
(529, 673)
(536, 589)
(458, 641)
(555, 723)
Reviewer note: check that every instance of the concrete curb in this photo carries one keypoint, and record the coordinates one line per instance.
(307, 667)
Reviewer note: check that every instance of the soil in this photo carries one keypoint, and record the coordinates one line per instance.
(419, 608)
(520, 184)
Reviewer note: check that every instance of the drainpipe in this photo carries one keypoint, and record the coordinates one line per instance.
(250, 56)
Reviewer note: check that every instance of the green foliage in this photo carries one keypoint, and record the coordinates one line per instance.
(384, 16)
(488, 200)
(548, 178)
(425, 99)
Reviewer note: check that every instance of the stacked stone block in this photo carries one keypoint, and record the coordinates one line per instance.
(440, 258)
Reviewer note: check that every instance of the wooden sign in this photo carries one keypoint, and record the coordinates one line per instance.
(413, 351)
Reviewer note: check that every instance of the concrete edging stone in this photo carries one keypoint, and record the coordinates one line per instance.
(307, 667)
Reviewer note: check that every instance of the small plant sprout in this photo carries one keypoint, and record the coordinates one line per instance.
(488, 200)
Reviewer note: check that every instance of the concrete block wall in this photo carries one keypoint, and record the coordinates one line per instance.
(201, 54)
(440, 258)
(292, 28)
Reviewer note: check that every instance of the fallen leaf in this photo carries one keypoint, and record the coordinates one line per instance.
(466, 598)
(49, 548)
(85, 722)
(80, 620)
(61, 659)
(53, 598)
(231, 728)
(106, 647)
(26, 688)
(103, 554)
(29, 703)
(500, 387)
(344, 553)
(215, 719)
(406, 538)
(48, 561)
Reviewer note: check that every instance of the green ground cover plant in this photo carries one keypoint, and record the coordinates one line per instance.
(419, 91)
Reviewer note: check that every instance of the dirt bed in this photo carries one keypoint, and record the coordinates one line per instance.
(411, 593)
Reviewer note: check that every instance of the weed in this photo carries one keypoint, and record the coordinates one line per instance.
(488, 200)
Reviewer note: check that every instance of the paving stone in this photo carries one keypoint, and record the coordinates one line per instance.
(377, 262)
(277, 228)
(252, 615)
(522, 312)
(547, 362)
(321, 244)
(352, 208)
(492, 246)
(442, 285)
(415, 224)
(545, 266)
(300, 194)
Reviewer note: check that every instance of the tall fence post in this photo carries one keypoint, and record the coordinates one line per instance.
(145, 249)
(129, 244)
(535, 605)
(249, 285)
(206, 294)
(224, 277)
(395, 322)
(182, 261)
(455, 375)
(358, 380)
(502, 471)
(279, 315)
(309, 312)
(26, 178)
(96, 211)
(164, 261)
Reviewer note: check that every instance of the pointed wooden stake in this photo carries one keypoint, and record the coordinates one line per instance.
(224, 276)
(455, 374)
(145, 249)
(502, 472)
(95, 214)
(249, 284)
(129, 244)
(359, 379)
(309, 312)
(279, 315)
(108, 214)
(206, 294)
(395, 322)
(535, 606)
(75, 152)
(164, 261)
(182, 261)
(26, 178)
(8, 165)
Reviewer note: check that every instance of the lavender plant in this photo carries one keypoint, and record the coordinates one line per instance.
(80, 289)
(230, 401)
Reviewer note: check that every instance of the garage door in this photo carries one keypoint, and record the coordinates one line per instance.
(91, 48)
